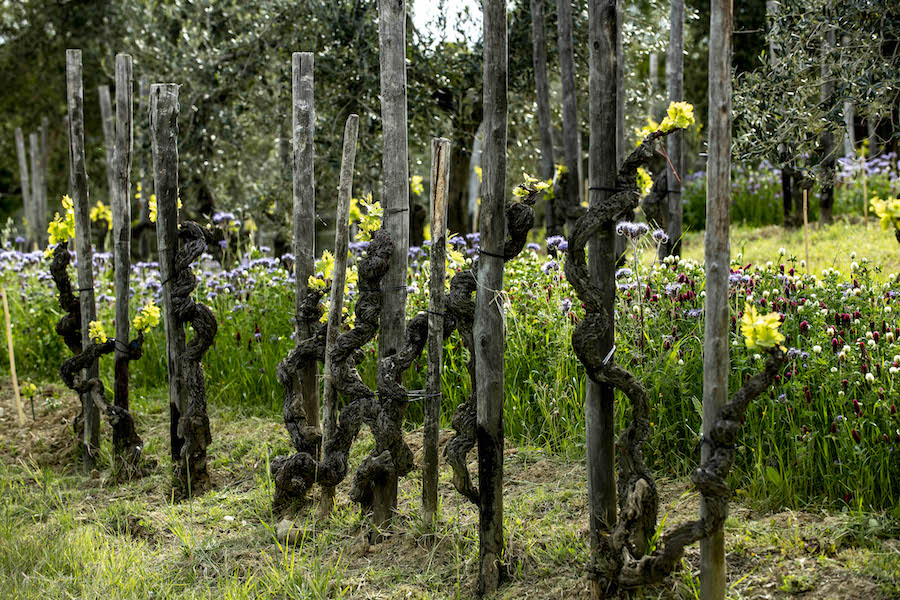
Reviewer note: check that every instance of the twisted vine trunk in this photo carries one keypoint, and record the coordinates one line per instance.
(193, 426)
(69, 325)
(620, 559)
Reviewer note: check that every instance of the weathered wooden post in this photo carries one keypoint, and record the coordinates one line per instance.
(718, 259)
(35, 153)
(164, 143)
(84, 254)
(41, 216)
(336, 301)
(121, 210)
(675, 76)
(488, 330)
(108, 119)
(542, 91)
(826, 195)
(25, 181)
(599, 421)
(304, 246)
(440, 184)
(395, 198)
(144, 182)
(571, 144)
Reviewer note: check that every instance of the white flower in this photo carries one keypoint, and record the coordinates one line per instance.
(853, 256)
(845, 349)
(740, 256)
(897, 358)
(854, 266)
(840, 392)
(769, 264)
(889, 336)
(781, 252)
(869, 335)
(870, 378)
(703, 294)
(636, 308)
(680, 361)
(894, 370)
(871, 343)
(864, 260)
(757, 356)
(856, 321)
(887, 309)
(766, 293)
(817, 349)
(834, 369)
(802, 264)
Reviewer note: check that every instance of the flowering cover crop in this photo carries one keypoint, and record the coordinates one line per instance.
(828, 429)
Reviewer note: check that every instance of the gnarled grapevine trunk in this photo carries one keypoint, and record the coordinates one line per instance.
(382, 412)
(193, 426)
(620, 559)
(460, 314)
(69, 325)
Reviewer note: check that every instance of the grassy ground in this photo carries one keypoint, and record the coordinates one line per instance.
(64, 535)
(828, 247)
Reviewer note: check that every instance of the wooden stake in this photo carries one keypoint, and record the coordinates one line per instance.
(542, 91)
(488, 331)
(121, 210)
(12, 359)
(602, 168)
(41, 215)
(336, 302)
(395, 200)
(806, 226)
(25, 181)
(304, 125)
(440, 184)
(718, 255)
(35, 147)
(164, 143)
(83, 251)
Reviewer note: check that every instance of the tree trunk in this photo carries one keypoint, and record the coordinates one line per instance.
(25, 181)
(675, 76)
(826, 200)
(488, 329)
(572, 200)
(599, 422)
(164, 141)
(542, 91)
(336, 300)
(81, 203)
(35, 155)
(440, 177)
(787, 194)
(121, 209)
(304, 209)
(718, 260)
(395, 200)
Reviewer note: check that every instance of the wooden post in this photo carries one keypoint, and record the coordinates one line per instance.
(84, 254)
(826, 193)
(143, 180)
(336, 302)
(488, 330)
(542, 91)
(718, 256)
(440, 187)
(108, 119)
(25, 181)
(41, 207)
(675, 76)
(121, 210)
(395, 199)
(12, 359)
(164, 144)
(304, 126)
(35, 151)
(599, 421)
(571, 144)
